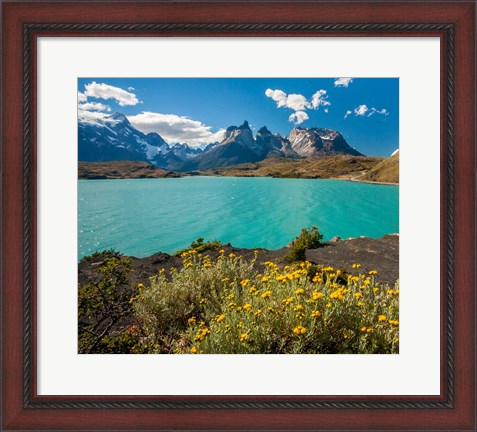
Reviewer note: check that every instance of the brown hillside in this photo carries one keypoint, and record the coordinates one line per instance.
(341, 166)
(121, 169)
(387, 171)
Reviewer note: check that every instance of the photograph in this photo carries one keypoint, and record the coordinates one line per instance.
(238, 215)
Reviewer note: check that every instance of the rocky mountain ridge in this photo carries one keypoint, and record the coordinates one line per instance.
(108, 138)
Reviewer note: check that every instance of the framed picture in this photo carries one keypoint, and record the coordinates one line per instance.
(291, 186)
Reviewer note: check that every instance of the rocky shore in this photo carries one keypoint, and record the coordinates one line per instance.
(373, 254)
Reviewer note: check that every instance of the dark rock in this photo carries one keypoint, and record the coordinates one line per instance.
(380, 254)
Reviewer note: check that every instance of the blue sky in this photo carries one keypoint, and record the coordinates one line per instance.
(196, 110)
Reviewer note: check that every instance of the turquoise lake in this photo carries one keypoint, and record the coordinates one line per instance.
(144, 216)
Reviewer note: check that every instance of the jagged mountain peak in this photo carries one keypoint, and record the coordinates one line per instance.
(104, 137)
(264, 131)
(120, 117)
(318, 141)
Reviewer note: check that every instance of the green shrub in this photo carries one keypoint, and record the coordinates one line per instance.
(307, 239)
(102, 305)
(200, 247)
(226, 306)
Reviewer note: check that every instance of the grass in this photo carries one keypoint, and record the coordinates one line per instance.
(226, 306)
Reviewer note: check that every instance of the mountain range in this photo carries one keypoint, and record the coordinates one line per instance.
(113, 137)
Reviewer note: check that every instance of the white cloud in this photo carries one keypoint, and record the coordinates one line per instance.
(91, 117)
(174, 128)
(343, 82)
(130, 88)
(105, 91)
(383, 111)
(361, 110)
(279, 96)
(320, 98)
(82, 97)
(296, 102)
(94, 106)
(326, 110)
(298, 117)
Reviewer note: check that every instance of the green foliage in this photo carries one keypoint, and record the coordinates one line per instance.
(125, 342)
(102, 303)
(307, 239)
(225, 306)
(106, 253)
(200, 247)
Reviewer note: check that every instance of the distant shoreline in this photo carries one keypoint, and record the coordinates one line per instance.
(371, 170)
(183, 175)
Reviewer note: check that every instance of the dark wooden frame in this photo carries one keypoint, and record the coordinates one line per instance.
(454, 22)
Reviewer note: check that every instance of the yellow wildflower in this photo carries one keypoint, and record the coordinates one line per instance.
(382, 318)
(372, 272)
(247, 306)
(231, 255)
(317, 295)
(315, 313)
(193, 350)
(220, 318)
(192, 320)
(299, 330)
(266, 294)
(244, 337)
(299, 291)
(244, 283)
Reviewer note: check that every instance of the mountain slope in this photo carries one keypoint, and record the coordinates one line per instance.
(387, 171)
(104, 138)
(238, 146)
(309, 142)
(114, 138)
(337, 167)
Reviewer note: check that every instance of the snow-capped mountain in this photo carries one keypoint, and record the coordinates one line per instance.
(104, 138)
(319, 142)
(112, 137)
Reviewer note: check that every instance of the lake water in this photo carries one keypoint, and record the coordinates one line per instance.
(144, 216)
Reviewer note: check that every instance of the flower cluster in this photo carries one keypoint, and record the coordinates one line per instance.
(227, 306)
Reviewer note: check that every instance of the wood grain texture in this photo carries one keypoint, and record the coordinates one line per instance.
(44, 415)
